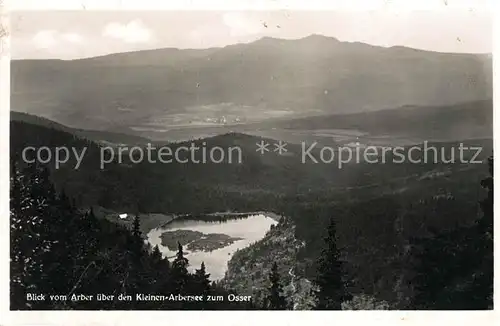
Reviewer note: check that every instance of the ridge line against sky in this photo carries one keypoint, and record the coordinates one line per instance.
(274, 38)
(83, 34)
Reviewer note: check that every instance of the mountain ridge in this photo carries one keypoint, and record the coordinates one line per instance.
(259, 40)
(297, 77)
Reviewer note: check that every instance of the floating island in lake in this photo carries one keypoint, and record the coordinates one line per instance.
(196, 241)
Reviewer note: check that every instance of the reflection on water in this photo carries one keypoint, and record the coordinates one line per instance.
(250, 229)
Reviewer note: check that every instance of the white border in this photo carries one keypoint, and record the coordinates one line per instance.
(226, 318)
(362, 5)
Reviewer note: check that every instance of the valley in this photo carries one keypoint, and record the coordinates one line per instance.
(378, 209)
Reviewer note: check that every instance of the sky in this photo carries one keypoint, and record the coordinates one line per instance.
(86, 33)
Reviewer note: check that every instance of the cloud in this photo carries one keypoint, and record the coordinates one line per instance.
(131, 32)
(241, 25)
(47, 39)
(72, 37)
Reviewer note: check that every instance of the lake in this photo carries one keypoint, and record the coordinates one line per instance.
(247, 230)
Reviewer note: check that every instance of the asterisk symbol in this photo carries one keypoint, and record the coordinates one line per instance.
(262, 147)
(280, 147)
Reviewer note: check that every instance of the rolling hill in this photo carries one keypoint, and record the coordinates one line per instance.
(103, 137)
(451, 122)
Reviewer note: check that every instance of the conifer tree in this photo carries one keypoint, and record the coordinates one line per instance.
(66, 234)
(136, 270)
(136, 231)
(332, 289)
(156, 256)
(43, 196)
(32, 199)
(137, 242)
(274, 299)
(160, 267)
(92, 220)
(91, 224)
(202, 280)
(179, 270)
(18, 241)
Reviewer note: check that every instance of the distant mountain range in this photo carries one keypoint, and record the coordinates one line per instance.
(270, 78)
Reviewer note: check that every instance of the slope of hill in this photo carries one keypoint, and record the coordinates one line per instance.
(249, 268)
(254, 183)
(273, 77)
(105, 137)
(458, 121)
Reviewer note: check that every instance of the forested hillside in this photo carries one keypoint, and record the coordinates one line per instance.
(379, 211)
(67, 257)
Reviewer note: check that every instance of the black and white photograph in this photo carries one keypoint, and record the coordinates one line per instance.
(251, 159)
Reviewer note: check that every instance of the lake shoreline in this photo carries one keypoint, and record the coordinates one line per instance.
(219, 217)
(211, 242)
(196, 241)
